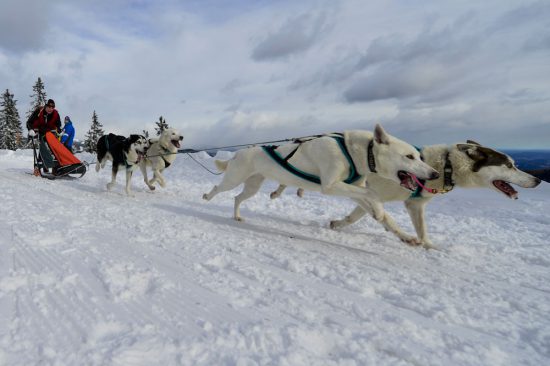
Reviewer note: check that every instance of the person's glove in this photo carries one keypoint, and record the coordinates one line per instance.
(32, 133)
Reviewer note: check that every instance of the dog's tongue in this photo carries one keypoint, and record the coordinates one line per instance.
(506, 189)
(176, 143)
(407, 181)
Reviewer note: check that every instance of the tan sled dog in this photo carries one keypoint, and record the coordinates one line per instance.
(467, 165)
(161, 154)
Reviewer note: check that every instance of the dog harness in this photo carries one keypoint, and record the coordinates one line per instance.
(283, 162)
(448, 183)
(120, 157)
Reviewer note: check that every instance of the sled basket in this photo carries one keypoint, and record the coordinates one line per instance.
(53, 154)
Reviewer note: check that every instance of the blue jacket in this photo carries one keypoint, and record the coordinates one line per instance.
(68, 134)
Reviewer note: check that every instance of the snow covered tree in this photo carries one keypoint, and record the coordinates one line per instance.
(161, 125)
(95, 132)
(39, 97)
(11, 133)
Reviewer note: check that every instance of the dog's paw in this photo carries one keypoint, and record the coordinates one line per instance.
(238, 219)
(300, 192)
(337, 224)
(205, 197)
(151, 187)
(411, 240)
(274, 195)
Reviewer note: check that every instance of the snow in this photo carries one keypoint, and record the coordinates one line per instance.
(90, 277)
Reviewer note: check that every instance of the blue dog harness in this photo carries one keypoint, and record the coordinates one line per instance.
(283, 162)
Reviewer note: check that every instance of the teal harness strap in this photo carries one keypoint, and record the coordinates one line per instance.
(283, 162)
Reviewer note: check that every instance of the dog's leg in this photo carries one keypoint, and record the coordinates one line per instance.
(98, 166)
(389, 224)
(160, 178)
(143, 168)
(251, 187)
(277, 193)
(235, 175)
(114, 172)
(366, 198)
(129, 173)
(353, 217)
(416, 208)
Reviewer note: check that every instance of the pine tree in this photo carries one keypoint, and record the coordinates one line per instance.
(161, 125)
(39, 97)
(10, 123)
(95, 132)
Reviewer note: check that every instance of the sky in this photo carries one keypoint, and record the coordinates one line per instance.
(245, 71)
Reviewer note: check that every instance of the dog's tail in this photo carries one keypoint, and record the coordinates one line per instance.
(221, 165)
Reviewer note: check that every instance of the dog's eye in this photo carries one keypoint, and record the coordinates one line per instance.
(410, 156)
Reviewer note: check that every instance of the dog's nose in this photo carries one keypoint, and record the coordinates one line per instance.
(537, 181)
(434, 175)
(181, 138)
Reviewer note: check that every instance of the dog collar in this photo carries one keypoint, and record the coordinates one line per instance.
(370, 157)
(448, 183)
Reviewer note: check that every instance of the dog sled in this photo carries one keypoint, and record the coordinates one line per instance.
(53, 160)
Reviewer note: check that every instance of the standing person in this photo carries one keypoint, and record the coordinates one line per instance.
(43, 120)
(67, 136)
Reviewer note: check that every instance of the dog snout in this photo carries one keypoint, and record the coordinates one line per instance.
(537, 181)
(434, 175)
(181, 138)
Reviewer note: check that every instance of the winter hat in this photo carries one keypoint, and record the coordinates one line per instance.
(50, 103)
(67, 119)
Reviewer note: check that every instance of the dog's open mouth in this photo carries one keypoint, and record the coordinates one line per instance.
(506, 188)
(406, 180)
(141, 156)
(176, 143)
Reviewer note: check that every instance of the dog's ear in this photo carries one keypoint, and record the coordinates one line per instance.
(380, 136)
(477, 155)
(473, 142)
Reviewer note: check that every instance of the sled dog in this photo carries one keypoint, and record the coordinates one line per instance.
(124, 152)
(468, 165)
(325, 158)
(160, 155)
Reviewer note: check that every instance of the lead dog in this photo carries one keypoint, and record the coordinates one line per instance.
(330, 160)
(124, 152)
(467, 165)
(160, 155)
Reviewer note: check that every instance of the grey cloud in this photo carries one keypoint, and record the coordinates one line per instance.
(23, 24)
(296, 35)
(395, 82)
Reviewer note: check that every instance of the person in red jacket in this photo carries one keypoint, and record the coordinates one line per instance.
(43, 120)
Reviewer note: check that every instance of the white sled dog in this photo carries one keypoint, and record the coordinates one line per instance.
(333, 165)
(161, 154)
(124, 152)
(468, 165)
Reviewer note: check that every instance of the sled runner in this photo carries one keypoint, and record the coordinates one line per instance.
(53, 160)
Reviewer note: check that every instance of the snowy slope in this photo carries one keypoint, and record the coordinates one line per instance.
(89, 277)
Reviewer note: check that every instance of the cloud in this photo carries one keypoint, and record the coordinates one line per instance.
(295, 36)
(454, 72)
(23, 25)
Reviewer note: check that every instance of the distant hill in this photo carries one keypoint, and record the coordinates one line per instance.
(531, 159)
(543, 174)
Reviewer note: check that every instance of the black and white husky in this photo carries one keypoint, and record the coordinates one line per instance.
(330, 160)
(124, 152)
(468, 165)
